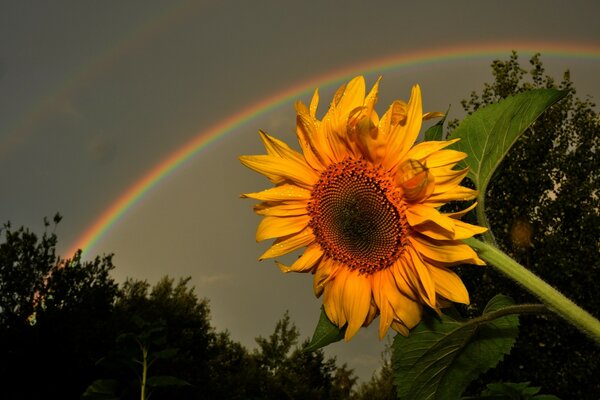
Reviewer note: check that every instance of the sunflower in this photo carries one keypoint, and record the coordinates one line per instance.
(363, 200)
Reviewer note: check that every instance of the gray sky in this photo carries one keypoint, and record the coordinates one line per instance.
(93, 95)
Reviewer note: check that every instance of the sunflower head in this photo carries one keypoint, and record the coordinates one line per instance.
(362, 199)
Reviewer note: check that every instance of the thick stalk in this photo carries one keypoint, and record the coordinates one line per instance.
(488, 236)
(553, 299)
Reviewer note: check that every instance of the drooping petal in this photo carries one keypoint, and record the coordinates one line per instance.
(462, 213)
(449, 285)
(325, 272)
(274, 227)
(356, 301)
(419, 215)
(306, 261)
(380, 294)
(333, 299)
(288, 244)
(416, 181)
(418, 272)
(464, 230)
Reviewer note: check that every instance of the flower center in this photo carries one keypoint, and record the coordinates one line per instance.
(357, 216)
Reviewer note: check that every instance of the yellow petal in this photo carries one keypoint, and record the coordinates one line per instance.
(314, 103)
(447, 179)
(306, 262)
(314, 149)
(458, 193)
(416, 180)
(373, 312)
(407, 311)
(432, 114)
(325, 272)
(332, 299)
(418, 214)
(460, 214)
(281, 209)
(447, 252)
(421, 277)
(423, 150)
(276, 147)
(272, 227)
(288, 244)
(290, 169)
(356, 301)
(380, 295)
(449, 285)
(464, 230)
(400, 328)
(445, 158)
(280, 193)
(353, 96)
(392, 303)
(402, 140)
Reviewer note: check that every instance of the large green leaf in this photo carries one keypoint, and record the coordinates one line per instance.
(488, 133)
(441, 356)
(326, 332)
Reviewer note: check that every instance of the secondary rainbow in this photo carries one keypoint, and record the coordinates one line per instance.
(162, 170)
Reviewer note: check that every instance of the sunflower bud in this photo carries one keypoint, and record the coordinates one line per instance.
(416, 180)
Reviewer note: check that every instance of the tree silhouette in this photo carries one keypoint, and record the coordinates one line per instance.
(54, 316)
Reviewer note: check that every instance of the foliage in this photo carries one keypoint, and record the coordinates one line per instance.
(286, 371)
(381, 385)
(442, 355)
(67, 326)
(543, 206)
(55, 316)
(512, 391)
(137, 352)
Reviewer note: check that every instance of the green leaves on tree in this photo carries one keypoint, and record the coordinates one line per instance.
(326, 332)
(442, 355)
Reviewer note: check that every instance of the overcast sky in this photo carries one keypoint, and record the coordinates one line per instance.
(93, 95)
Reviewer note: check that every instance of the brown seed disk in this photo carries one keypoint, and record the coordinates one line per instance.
(357, 216)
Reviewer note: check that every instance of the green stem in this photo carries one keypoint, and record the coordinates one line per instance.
(510, 310)
(488, 236)
(144, 372)
(553, 299)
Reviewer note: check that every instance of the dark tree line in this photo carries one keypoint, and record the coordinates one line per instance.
(66, 325)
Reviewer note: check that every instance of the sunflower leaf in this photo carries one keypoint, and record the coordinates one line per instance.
(436, 132)
(488, 134)
(441, 356)
(326, 332)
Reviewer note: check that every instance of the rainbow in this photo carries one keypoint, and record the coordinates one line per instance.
(192, 148)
